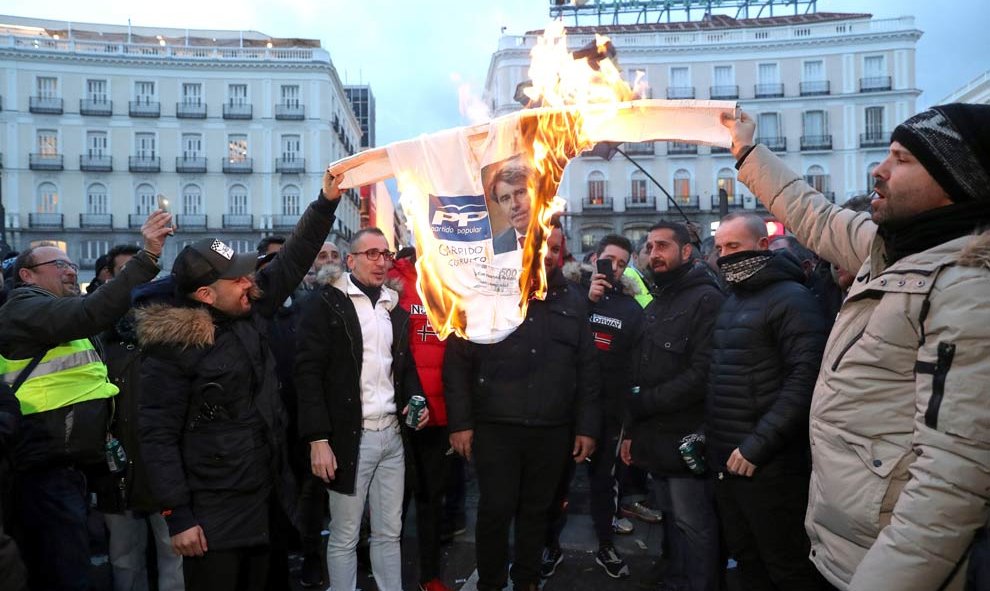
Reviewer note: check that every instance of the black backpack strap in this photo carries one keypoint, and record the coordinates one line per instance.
(26, 372)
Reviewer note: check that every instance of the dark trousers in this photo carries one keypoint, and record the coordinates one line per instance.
(453, 499)
(429, 449)
(690, 530)
(519, 469)
(52, 532)
(763, 524)
(239, 569)
(312, 513)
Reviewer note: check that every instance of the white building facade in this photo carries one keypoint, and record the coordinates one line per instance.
(235, 128)
(826, 89)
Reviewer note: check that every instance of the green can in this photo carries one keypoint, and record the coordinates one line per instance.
(416, 406)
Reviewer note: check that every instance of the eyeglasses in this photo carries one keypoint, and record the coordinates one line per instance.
(60, 264)
(374, 253)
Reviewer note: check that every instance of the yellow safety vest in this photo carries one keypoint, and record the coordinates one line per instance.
(68, 374)
(643, 297)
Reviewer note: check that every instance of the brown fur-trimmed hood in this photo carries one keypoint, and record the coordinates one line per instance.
(976, 253)
(162, 324)
(334, 276)
(574, 271)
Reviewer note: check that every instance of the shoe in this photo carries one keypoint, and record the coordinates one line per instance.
(311, 574)
(551, 558)
(434, 585)
(622, 526)
(642, 512)
(609, 559)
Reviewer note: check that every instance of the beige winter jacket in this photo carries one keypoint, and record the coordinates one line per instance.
(900, 420)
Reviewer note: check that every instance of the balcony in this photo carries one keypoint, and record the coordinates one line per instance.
(46, 221)
(815, 88)
(681, 149)
(686, 201)
(816, 142)
(641, 202)
(680, 92)
(875, 84)
(144, 164)
(730, 92)
(874, 139)
(774, 143)
(45, 162)
(237, 111)
(284, 221)
(597, 203)
(720, 150)
(97, 163)
(144, 108)
(96, 221)
(45, 105)
(240, 166)
(238, 221)
(136, 220)
(637, 148)
(290, 165)
(290, 111)
(190, 110)
(100, 108)
(191, 222)
(768, 91)
(731, 201)
(193, 164)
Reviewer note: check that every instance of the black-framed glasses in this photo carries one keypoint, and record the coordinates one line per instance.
(373, 254)
(60, 264)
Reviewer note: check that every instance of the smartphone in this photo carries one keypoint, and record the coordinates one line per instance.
(605, 268)
(163, 205)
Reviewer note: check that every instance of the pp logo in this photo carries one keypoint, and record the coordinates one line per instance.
(463, 218)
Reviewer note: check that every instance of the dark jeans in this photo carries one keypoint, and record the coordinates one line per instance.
(519, 469)
(690, 530)
(453, 499)
(52, 532)
(429, 448)
(763, 524)
(240, 569)
(634, 486)
(312, 513)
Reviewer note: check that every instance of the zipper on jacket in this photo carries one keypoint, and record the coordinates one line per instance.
(842, 353)
(946, 352)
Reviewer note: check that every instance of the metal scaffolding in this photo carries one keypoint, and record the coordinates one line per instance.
(621, 12)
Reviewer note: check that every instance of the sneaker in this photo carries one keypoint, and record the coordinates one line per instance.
(311, 574)
(622, 526)
(434, 585)
(642, 512)
(609, 559)
(551, 558)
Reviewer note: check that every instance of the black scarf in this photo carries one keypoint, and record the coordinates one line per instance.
(665, 278)
(740, 266)
(931, 228)
(373, 293)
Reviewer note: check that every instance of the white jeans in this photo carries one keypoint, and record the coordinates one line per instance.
(128, 540)
(380, 479)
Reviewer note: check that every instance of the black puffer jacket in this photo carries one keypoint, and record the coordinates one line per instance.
(768, 344)
(671, 368)
(545, 373)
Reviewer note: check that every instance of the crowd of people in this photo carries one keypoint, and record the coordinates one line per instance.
(807, 406)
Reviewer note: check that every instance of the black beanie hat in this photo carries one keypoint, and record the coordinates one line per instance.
(952, 142)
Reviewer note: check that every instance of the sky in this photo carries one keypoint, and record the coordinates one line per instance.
(415, 55)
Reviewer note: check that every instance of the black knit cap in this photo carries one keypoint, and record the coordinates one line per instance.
(952, 142)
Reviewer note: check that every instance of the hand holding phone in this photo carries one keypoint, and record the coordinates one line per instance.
(604, 266)
(163, 204)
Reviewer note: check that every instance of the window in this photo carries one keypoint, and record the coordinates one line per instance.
(874, 123)
(47, 201)
(96, 144)
(874, 67)
(238, 200)
(635, 235)
(192, 145)
(638, 187)
(768, 125)
(817, 178)
(290, 95)
(290, 147)
(237, 94)
(93, 249)
(726, 184)
(145, 146)
(144, 92)
(590, 237)
(241, 246)
(871, 182)
(192, 93)
(145, 200)
(814, 71)
(596, 188)
(682, 185)
(768, 74)
(192, 200)
(679, 77)
(815, 124)
(96, 198)
(723, 76)
(237, 147)
(96, 91)
(290, 200)
(47, 87)
(47, 142)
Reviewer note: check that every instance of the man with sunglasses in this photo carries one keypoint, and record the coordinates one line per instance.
(355, 375)
(64, 399)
